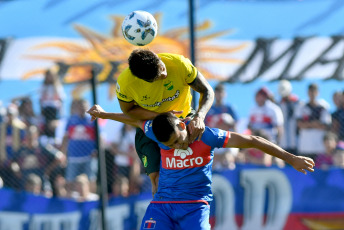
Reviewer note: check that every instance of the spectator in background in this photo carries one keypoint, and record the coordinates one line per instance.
(51, 99)
(33, 157)
(26, 112)
(121, 187)
(58, 184)
(79, 144)
(219, 107)
(313, 122)
(266, 116)
(126, 162)
(338, 157)
(289, 104)
(224, 158)
(82, 190)
(325, 160)
(12, 134)
(337, 99)
(338, 115)
(33, 184)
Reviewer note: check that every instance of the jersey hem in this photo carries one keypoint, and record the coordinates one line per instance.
(125, 101)
(180, 202)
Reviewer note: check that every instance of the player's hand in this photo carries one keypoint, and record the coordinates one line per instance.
(302, 164)
(196, 128)
(95, 111)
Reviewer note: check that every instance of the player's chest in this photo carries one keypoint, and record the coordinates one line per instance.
(197, 155)
(162, 90)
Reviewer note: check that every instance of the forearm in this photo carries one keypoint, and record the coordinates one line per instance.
(205, 102)
(138, 113)
(237, 140)
(271, 149)
(121, 117)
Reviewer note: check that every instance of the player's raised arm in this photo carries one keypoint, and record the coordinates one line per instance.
(196, 126)
(136, 112)
(97, 111)
(300, 163)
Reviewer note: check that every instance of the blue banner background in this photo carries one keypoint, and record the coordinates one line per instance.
(321, 192)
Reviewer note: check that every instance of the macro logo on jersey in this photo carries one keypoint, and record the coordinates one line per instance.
(196, 155)
(182, 153)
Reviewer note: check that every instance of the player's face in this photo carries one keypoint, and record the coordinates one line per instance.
(179, 138)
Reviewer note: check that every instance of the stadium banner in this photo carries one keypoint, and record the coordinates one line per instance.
(248, 197)
(281, 39)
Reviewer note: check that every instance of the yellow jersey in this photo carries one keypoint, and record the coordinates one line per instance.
(171, 93)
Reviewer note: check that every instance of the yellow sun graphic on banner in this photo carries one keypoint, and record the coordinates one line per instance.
(112, 52)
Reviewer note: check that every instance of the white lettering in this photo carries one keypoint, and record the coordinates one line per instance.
(69, 221)
(120, 212)
(225, 203)
(199, 160)
(191, 161)
(221, 134)
(179, 163)
(170, 164)
(255, 183)
(12, 220)
(173, 163)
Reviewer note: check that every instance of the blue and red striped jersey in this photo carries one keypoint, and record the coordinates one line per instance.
(185, 175)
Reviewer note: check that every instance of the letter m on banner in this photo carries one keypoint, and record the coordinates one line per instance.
(4, 42)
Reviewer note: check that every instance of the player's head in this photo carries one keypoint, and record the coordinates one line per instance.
(171, 131)
(146, 65)
(220, 92)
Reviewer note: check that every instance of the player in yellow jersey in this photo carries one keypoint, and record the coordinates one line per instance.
(157, 83)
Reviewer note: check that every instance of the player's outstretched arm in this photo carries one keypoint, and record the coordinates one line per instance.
(300, 163)
(97, 111)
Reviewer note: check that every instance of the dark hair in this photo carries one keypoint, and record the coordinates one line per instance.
(330, 136)
(313, 87)
(220, 87)
(164, 126)
(144, 64)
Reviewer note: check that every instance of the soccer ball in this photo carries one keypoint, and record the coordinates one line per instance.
(139, 28)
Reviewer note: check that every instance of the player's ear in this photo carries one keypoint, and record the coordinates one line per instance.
(182, 125)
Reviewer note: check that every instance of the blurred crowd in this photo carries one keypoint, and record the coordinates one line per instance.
(306, 128)
(34, 157)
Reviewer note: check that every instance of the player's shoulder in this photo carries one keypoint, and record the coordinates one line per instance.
(171, 58)
(212, 136)
(126, 77)
(210, 133)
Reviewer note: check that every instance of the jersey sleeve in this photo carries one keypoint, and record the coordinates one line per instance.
(122, 93)
(215, 137)
(148, 130)
(190, 70)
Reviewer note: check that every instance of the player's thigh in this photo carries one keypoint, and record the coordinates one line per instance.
(196, 217)
(157, 218)
(148, 152)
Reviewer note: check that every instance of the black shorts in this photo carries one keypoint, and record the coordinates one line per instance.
(149, 151)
